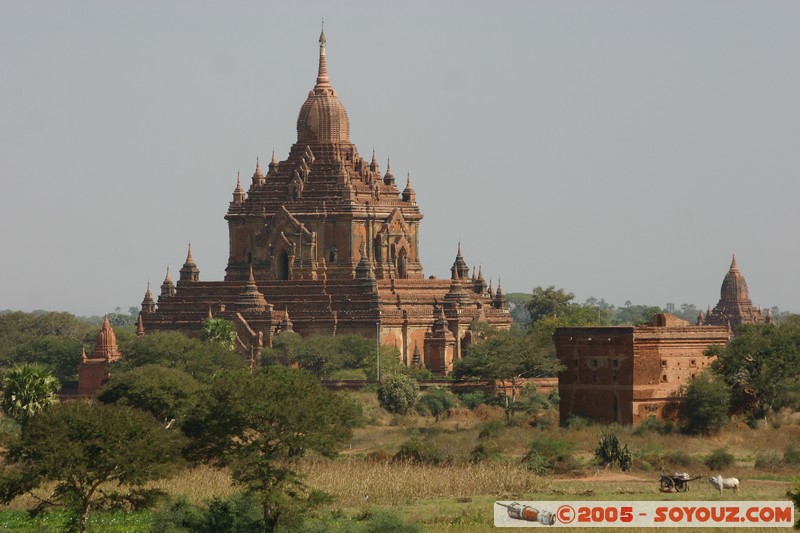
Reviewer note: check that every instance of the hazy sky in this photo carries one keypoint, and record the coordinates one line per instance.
(621, 150)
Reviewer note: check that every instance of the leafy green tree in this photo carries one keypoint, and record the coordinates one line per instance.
(397, 393)
(353, 356)
(762, 366)
(284, 350)
(705, 407)
(221, 331)
(553, 308)
(27, 390)
(258, 425)
(86, 449)
(118, 319)
(166, 393)
(549, 302)
(201, 360)
(635, 315)
(518, 307)
(508, 359)
(60, 354)
(37, 330)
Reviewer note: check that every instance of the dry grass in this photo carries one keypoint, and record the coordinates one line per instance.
(197, 484)
(387, 483)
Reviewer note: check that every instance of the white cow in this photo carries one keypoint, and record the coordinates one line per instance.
(720, 483)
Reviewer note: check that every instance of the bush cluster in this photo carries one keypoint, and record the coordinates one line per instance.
(420, 451)
(719, 459)
(654, 425)
(551, 455)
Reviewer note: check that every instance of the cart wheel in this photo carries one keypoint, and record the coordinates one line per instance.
(683, 487)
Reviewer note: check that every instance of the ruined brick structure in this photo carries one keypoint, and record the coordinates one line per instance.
(626, 374)
(327, 239)
(734, 307)
(93, 370)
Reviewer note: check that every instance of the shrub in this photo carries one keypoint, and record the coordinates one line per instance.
(473, 399)
(610, 451)
(436, 402)
(239, 513)
(719, 459)
(398, 393)
(420, 451)
(654, 425)
(791, 455)
(794, 495)
(484, 451)
(768, 460)
(554, 398)
(575, 422)
(491, 429)
(385, 522)
(679, 458)
(548, 455)
(419, 373)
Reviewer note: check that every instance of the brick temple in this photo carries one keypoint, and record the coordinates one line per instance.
(627, 374)
(325, 243)
(94, 369)
(734, 307)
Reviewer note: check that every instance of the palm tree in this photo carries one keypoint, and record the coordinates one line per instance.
(27, 390)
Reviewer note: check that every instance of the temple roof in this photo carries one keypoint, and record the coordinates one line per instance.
(106, 345)
(734, 287)
(322, 117)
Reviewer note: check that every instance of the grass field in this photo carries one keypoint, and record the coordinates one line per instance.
(458, 496)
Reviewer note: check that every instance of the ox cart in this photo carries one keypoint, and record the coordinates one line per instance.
(676, 482)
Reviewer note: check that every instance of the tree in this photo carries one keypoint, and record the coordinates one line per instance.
(258, 425)
(166, 393)
(549, 302)
(85, 448)
(762, 366)
(27, 390)
(201, 360)
(518, 307)
(339, 357)
(119, 319)
(18, 329)
(221, 331)
(508, 359)
(398, 393)
(705, 407)
(553, 308)
(635, 314)
(60, 354)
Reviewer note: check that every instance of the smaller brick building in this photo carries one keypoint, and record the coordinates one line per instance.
(93, 370)
(626, 374)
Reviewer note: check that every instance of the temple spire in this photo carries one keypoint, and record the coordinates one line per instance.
(388, 179)
(238, 192)
(408, 193)
(322, 75)
(167, 288)
(734, 266)
(189, 272)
